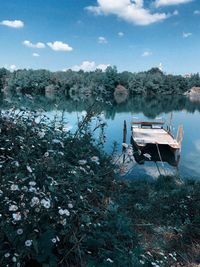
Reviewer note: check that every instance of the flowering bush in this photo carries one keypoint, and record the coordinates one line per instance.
(61, 206)
(56, 197)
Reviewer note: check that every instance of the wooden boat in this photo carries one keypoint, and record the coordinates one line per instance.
(153, 142)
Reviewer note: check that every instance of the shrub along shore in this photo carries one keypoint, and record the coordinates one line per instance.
(62, 205)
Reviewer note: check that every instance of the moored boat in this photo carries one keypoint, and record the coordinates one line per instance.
(153, 142)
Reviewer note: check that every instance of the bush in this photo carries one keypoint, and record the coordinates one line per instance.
(56, 197)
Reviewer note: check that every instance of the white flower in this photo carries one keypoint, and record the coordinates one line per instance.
(34, 201)
(16, 163)
(61, 212)
(95, 159)
(28, 243)
(46, 203)
(32, 189)
(17, 216)
(82, 162)
(109, 260)
(72, 172)
(82, 169)
(7, 255)
(29, 169)
(32, 183)
(14, 259)
(41, 134)
(20, 231)
(55, 239)
(1, 193)
(13, 208)
(25, 188)
(67, 128)
(46, 154)
(63, 222)
(56, 141)
(70, 206)
(14, 187)
(64, 212)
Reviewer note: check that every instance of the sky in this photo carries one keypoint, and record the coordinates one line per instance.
(134, 35)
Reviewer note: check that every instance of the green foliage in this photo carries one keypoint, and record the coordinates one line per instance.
(168, 211)
(57, 203)
(4, 74)
(70, 83)
(61, 205)
(30, 81)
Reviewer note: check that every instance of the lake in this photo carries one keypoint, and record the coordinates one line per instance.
(184, 112)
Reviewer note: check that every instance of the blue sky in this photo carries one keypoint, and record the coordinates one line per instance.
(88, 34)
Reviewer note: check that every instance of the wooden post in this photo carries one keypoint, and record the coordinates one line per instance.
(124, 133)
(124, 139)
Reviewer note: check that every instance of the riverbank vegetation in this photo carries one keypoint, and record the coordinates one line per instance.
(96, 83)
(62, 205)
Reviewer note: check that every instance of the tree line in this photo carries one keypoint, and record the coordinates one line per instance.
(95, 83)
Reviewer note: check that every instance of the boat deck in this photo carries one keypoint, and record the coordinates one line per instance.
(144, 136)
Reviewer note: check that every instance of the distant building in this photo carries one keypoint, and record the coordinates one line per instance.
(194, 94)
(187, 75)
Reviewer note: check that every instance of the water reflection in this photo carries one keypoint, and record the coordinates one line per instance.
(184, 112)
(149, 106)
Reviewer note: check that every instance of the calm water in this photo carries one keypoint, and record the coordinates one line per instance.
(184, 113)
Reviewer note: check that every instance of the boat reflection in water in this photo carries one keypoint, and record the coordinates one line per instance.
(151, 141)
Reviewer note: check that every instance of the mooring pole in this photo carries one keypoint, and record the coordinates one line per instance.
(124, 139)
(124, 135)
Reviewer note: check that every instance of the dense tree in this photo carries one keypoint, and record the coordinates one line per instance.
(30, 81)
(4, 74)
(97, 83)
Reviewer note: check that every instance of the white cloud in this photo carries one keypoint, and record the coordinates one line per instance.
(197, 12)
(120, 34)
(132, 11)
(159, 3)
(35, 55)
(160, 66)
(147, 54)
(89, 66)
(186, 34)
(102, 40)
(60, 46)
(12, 23)
(12, 67)
(102, 67)
(31, 45)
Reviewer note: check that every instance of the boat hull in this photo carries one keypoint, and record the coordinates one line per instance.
(160, 152)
